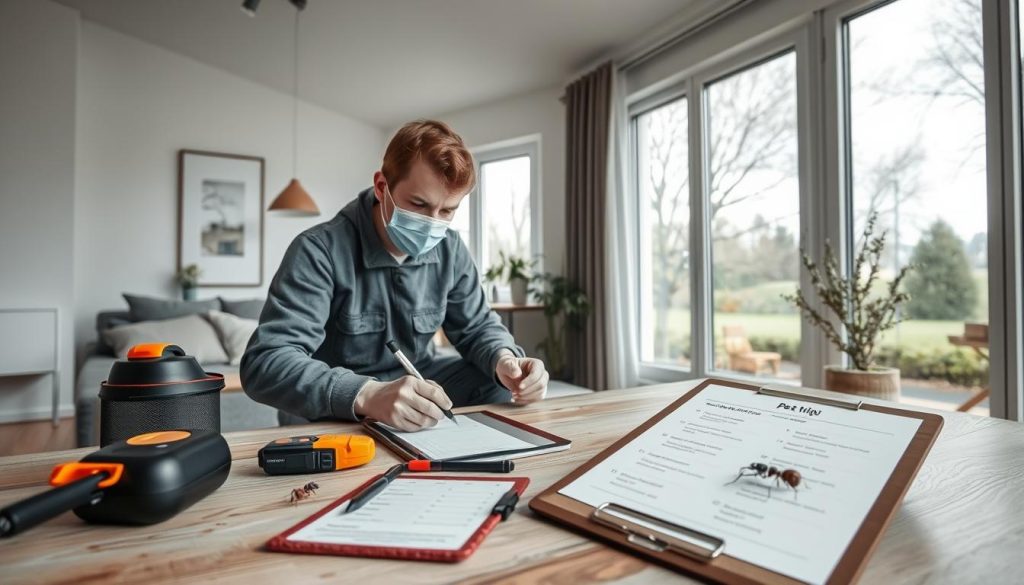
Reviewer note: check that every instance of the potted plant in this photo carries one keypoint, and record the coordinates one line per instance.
(188, 278)
(565, 306)
(519, 278)
(863, 317)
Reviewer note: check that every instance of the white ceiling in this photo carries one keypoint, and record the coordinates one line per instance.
(385, 61)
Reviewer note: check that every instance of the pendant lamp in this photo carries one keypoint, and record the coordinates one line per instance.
(294, 201)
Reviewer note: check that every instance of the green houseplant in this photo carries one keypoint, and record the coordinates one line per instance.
(862, 315)
(517, 271)
(565, 306)
(188, 278)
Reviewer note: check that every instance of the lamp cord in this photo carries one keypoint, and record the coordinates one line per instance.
(295, 97)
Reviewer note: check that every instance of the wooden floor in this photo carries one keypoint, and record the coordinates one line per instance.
(35, 436)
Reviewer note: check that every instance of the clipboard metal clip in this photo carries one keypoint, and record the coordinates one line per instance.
(658, 535)
(809, 395)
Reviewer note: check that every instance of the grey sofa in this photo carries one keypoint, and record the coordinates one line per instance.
(237, 411)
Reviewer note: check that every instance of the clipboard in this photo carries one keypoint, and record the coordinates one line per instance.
(705, 555)
(501, 511)
(544, 442)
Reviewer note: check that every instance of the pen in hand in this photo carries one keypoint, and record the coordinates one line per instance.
(412, 371)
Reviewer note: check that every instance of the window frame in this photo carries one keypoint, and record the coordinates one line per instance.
(817, 26)
(1003, 172)
(529, 146)
(692, 84)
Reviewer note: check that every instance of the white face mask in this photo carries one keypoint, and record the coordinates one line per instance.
(413, 233)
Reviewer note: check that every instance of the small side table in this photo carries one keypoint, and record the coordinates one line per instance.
(29, 345)
(510, 309)
(980, 347)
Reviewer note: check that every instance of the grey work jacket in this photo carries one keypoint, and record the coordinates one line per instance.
(338, 296)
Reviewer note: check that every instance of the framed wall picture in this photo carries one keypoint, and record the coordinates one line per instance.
(220, 217)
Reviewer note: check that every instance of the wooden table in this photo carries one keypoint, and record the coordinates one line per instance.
(511, 309)
(961, 522)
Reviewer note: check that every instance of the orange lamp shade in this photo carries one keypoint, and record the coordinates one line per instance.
(294, 201)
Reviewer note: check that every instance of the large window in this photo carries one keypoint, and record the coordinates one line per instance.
(793, 135)
(502, 215)
(753, 204)
(664, 212)
(916, 160)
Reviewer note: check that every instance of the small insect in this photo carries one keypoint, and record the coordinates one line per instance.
(789, 477)
(308, 490)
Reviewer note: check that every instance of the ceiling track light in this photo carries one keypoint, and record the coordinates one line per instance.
(251, 6)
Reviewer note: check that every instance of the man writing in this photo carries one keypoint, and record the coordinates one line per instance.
(387, 267)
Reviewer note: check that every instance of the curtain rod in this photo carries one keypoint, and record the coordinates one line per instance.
(682, 35)
(666, 44)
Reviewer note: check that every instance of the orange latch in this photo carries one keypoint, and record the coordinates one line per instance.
(66, 473)
(145, 351)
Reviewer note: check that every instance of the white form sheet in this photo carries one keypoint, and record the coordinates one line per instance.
(411, 513)
(447, 439)
(678, 470)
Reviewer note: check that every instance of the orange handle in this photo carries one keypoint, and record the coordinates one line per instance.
(66, 473)
(146, 351)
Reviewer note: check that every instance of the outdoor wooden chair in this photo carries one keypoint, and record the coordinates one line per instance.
(742, 357)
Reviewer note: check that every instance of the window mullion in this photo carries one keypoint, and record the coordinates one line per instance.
(700, 249)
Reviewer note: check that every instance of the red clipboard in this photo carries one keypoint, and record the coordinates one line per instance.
(280, 543)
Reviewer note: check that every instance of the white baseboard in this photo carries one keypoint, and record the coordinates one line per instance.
(42, 413)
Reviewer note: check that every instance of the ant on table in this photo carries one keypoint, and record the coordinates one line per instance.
(790, 477)
(299, 494)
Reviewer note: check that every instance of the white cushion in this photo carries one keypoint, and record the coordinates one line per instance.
(192, 333)
(234, 333)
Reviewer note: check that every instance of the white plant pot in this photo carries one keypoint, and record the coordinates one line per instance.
(519, 291)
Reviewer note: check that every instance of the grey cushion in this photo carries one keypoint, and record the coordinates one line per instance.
(153, 309)
(246, 309)
(105, 320)
(193, 333)
(234, 333)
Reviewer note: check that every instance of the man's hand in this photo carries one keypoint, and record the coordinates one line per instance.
(408, 404)
(525, 377)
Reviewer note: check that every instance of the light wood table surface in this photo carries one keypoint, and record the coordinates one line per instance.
(961, 522)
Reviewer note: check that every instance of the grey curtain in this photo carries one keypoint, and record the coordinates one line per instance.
(588, 124)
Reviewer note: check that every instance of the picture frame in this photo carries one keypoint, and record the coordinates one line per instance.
(221, 217)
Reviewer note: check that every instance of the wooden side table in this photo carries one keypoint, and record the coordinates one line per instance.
(980, 347)
(511, 309)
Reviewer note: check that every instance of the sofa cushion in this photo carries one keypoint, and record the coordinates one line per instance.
(246, 309)
(105, 320)
(193, 333)
(234, 333)
(153, 309)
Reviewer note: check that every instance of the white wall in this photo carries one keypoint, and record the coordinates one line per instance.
(541, 113)
(38, 41)
(138, 104)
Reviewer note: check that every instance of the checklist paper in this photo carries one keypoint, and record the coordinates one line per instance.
(447, 440)
(431, 514)
(682, 470)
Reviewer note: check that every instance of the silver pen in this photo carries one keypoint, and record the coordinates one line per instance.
(412, 371)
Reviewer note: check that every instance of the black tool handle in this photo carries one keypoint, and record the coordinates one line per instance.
(504, 466)
(25, 514)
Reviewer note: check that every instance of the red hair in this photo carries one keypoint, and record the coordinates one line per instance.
(437, 145)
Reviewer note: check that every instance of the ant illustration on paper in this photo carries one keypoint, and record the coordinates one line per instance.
(788, 477)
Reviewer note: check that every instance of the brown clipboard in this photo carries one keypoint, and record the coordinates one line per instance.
(721, 567)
